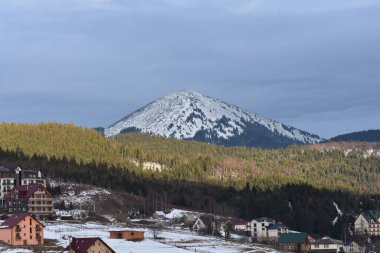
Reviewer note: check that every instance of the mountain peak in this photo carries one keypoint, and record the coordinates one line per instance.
(190, 115)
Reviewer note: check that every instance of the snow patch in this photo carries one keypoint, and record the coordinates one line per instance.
(337, 209)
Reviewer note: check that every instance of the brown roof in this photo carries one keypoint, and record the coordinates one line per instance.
(15, 219)
(25, 191)
(81, 245)
(206, 219)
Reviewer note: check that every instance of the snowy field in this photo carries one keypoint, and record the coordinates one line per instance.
(175, 241)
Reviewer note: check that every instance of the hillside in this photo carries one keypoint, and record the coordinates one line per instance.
(61, 141)
(267, 169)
(195, 161)
(246, 182)
(367, 136)
(192, 116)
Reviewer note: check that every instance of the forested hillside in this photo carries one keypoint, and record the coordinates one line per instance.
(62, 141)
(368, 135)
(297, 185)
(198, 162)
(266, 169)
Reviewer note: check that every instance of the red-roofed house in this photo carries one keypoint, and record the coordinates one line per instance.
(35, 199)
(241, 225)
(88, 245)
(22, 229)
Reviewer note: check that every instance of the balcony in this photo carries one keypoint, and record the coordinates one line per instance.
(40, 205)
(35, 198)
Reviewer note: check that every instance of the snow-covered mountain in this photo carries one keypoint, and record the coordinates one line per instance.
(190, 115)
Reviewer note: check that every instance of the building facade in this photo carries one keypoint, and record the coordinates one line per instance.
(22, 229)
(34, 199)
(259, 228)
(294, 242)
(88, 245)
(130, 235)
(353, 247)
(327, 245)
(368, 223)
(275, 229)
(11, 176)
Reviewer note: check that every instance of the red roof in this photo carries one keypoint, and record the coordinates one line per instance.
(15, 219)
(25, 191)
(81, 245)
(237, 221)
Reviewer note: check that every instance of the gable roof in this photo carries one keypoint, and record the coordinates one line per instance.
(371, 215)
(292, 237)
(237, 221)
(81, 245)
(206, 219)
(263, 219)
(25, 191)
(327, 240)
(15, 219)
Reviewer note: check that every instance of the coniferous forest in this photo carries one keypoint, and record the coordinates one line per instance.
(297, 185)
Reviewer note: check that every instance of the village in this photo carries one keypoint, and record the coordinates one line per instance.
(33, 223)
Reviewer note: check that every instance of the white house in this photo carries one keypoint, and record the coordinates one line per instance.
(203, 222)
(368, 223)
(275, 229)
(326, 245)
(241, 225)
(353, 247)
(259, 227)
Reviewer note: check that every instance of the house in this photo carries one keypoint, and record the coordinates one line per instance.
(22, 229)
(368, 223)
(35, 199)
(275, 229)
(294, 242)
(259, 227)
(11, 175)
(326, 245)
(158, 215)
(353, 247)
(88, 245)
(205, 223)
(130, 235)
(240, 225)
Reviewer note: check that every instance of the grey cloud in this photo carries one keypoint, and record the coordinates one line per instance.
(311, 64)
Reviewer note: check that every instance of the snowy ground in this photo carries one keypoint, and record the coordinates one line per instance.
(175, 241)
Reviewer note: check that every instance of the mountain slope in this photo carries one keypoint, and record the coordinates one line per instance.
(369, 135)
(190, 115)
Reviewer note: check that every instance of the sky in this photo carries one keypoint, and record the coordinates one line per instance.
(311, 64)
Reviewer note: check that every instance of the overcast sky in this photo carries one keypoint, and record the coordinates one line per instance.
(312, 64)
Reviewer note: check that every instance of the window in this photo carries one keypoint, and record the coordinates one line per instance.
(30, 221)
(317, 246)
